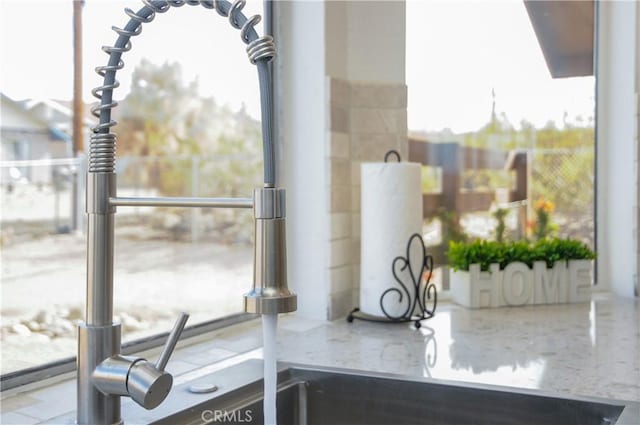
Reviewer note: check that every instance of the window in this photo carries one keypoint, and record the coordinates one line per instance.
(189, 125)
(501, 138)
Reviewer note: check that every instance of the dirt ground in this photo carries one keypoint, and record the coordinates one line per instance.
(42, 290)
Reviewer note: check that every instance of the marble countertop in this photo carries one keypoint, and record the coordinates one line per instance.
(590, 349)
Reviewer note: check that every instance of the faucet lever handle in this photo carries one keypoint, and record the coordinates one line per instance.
(172, 340)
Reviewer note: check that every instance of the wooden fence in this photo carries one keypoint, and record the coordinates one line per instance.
(453, 159)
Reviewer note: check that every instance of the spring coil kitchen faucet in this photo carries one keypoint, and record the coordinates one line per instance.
(104, 375)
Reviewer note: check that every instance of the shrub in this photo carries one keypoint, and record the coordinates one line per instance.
(500, 215)
(542, 226)
(483, 252)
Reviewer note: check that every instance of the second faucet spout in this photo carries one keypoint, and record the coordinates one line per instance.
(270, 293)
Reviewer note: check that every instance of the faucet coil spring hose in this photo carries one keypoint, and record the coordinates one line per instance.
(261, 50)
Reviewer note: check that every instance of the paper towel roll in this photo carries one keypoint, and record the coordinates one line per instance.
(391, 211)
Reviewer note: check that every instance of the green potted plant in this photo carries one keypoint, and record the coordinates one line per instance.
(493, 274)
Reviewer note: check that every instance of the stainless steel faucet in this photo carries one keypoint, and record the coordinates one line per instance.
(104, 374)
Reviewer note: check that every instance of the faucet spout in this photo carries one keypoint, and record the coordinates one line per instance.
(270, 294)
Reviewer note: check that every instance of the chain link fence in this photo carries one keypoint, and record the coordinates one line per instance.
(563, 178)
(566, 177)
(44, 197)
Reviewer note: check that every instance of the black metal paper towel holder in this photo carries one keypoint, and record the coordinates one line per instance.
(417, 295)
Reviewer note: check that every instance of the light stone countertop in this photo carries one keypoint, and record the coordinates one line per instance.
(590, 349)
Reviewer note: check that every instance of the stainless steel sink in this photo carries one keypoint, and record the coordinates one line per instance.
(319, 395)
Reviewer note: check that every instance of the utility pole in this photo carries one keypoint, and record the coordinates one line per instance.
(78, 106)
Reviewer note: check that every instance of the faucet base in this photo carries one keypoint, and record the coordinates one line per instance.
(95, 344)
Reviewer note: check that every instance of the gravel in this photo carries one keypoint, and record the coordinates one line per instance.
(43, 290)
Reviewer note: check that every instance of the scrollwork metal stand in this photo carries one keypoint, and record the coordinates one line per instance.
(417, 295)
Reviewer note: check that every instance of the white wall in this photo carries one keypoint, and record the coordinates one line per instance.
(350, 40)
(336, 39)
(617, 177)
(365, 40)
(376, 35)
(300, 36)
(637, 155)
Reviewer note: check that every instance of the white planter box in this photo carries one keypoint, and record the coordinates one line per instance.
(517, 284)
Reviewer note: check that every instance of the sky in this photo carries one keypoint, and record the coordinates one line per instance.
(204, 43)
(457, 53)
